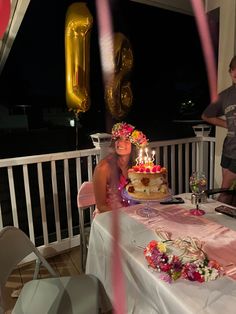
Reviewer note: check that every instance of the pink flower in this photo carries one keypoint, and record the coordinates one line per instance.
(154, 169)
(173, 267)
(158, 168)
(123, 129)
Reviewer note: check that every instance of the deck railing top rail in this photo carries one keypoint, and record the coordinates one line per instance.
(195, 139)
(25, 160)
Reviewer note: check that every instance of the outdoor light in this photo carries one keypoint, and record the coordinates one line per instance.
(72, 123)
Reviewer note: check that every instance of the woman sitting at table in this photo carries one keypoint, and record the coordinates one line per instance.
(111, 173)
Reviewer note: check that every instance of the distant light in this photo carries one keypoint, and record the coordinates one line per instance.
(72, 122)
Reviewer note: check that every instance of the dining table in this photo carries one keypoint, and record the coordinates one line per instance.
(145, 291)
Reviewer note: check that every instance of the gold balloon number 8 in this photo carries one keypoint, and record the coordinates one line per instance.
(118, 95)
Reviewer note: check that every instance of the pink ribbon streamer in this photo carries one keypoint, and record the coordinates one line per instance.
(106, 49)
(117, 272)
(105, 30)
(207, 46)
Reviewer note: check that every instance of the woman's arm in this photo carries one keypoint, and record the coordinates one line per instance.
(100, 180)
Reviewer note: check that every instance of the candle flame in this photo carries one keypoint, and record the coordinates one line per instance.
(147, 160)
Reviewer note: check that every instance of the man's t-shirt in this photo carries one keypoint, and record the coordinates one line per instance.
(226, 105)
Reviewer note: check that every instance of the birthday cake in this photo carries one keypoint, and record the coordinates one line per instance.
(147, 181)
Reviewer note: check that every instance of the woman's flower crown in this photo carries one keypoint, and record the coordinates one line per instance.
(199, 269)
(123, 129)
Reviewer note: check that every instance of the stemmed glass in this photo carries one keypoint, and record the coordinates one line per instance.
(198, 183)
(147, 211)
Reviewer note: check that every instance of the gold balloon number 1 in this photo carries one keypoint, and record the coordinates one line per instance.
(77, 45)
(118, 95)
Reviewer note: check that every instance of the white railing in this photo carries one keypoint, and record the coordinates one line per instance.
(39, 193)
(183, 156)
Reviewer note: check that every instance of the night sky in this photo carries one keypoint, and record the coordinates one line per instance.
(165, 73)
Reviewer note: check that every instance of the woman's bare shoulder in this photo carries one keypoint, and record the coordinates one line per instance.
(104, 164)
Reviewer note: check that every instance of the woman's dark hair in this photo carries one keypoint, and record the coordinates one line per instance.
(133, 155)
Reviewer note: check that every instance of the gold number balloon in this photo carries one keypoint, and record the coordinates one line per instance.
(78, 25)
(118, 94)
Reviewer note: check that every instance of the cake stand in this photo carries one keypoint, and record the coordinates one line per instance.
(147, 210)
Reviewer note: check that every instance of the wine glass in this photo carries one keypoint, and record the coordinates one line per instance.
(198, 183)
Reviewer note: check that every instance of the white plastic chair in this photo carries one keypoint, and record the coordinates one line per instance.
(85, 200)
(62, 295)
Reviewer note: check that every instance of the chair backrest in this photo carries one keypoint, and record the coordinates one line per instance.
(15, 245)
(86, 195)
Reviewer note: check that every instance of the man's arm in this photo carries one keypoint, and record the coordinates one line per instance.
(215, 121)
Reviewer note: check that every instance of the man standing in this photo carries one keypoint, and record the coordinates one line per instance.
(226, 105)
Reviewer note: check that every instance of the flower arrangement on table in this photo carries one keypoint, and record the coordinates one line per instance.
(193, 264)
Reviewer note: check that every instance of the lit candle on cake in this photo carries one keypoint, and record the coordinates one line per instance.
(139, 159)
(146, 151)
(153, 156)
(148, 159)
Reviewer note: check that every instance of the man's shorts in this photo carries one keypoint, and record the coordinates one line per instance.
(228, 163)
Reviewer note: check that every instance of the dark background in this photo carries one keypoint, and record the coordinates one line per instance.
(169, 70)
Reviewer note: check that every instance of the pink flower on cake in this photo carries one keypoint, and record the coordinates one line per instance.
(158, 168)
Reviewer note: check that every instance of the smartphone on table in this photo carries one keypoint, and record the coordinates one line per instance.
(173, 200)
(224, 209)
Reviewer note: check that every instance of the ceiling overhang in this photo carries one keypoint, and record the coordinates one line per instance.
(18, 9)
(181, 6)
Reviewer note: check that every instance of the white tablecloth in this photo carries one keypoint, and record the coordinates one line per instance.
(145, 292)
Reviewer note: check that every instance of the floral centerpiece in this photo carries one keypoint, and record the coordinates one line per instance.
(193, 264)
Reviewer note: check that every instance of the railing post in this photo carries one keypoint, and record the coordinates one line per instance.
(103, 142)
(200, 164)
(201, 131)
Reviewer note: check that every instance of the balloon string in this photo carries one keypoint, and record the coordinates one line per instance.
(207, 46)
